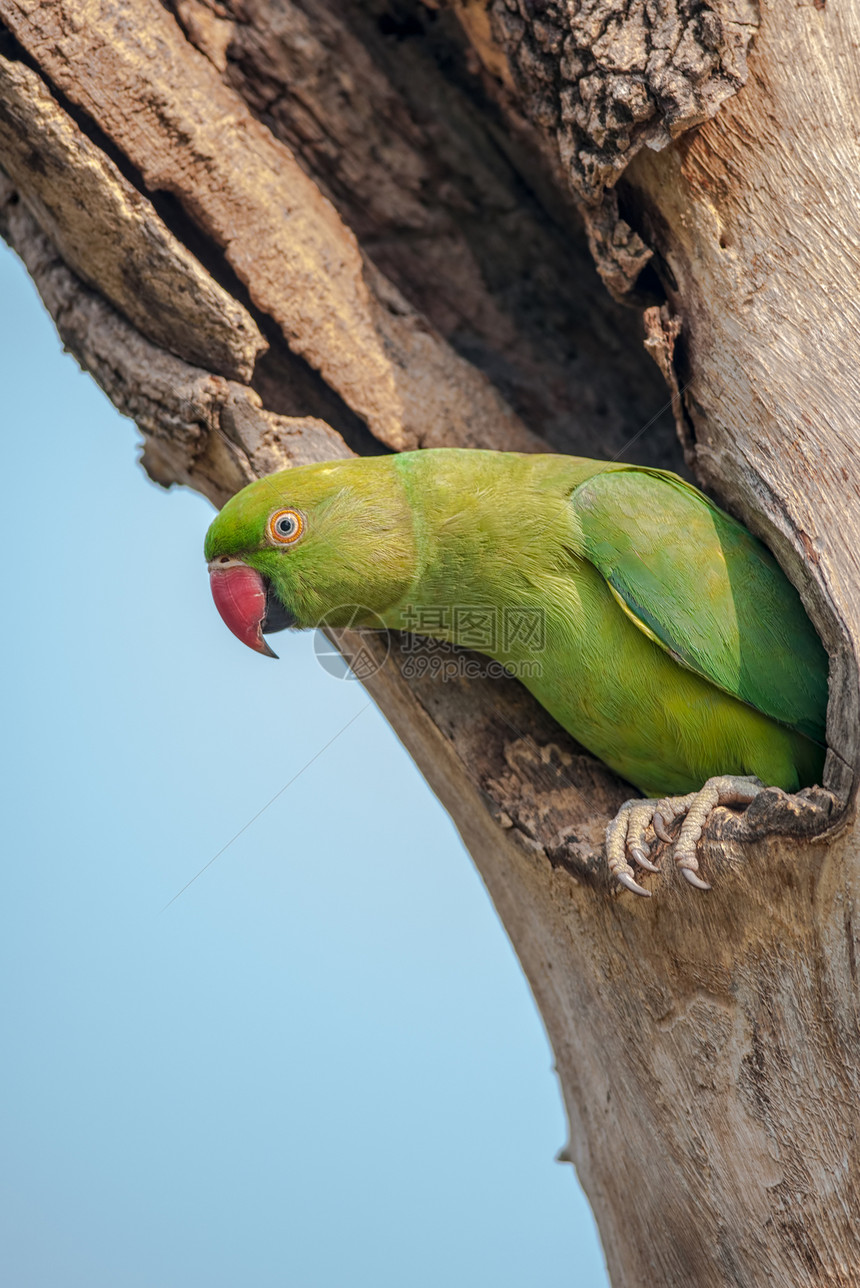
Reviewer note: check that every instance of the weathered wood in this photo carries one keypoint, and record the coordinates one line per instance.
(191, 136)
(108, 234)
(602, 81)
(390, 208)
(201, 429)
(755, 220)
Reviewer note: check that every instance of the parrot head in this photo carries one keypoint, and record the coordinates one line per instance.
(305, 546)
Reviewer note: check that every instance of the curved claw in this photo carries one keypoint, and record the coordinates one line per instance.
(660, 827)
(628, 882)
(693, 879)
(641, 857)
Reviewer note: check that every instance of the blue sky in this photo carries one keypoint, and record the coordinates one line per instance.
(321, 1066)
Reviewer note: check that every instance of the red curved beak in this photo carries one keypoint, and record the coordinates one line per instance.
(240, 597)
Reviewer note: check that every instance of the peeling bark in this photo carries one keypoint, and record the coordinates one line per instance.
(108, 235)
(194, 138)
(281, 233)
(608, 79)
(603, 80)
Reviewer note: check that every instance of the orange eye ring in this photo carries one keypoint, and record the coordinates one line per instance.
(285, 527)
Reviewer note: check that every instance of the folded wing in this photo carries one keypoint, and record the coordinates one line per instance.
(706, 590)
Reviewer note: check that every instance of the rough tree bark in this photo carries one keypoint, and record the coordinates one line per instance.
(281, 232)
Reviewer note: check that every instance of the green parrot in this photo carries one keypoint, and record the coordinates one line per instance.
(652, 626)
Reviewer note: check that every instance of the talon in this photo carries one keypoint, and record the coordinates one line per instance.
(628, 882)
(641, 857)
(694, 880)
(625, 835)
(660, 827)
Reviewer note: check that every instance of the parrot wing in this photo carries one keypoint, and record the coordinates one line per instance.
(706, 590)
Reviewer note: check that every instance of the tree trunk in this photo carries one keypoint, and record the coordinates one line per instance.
(281, 233)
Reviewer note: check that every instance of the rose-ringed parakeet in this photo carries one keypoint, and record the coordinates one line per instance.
(671, 643)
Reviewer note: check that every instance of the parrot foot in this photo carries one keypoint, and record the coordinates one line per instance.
(626, 832)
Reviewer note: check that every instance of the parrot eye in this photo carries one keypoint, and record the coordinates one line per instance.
(286, 526)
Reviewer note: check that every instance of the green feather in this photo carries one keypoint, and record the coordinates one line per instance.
(706, 590)
(671, 644)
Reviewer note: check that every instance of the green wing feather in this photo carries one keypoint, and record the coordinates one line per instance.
(706, 590)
